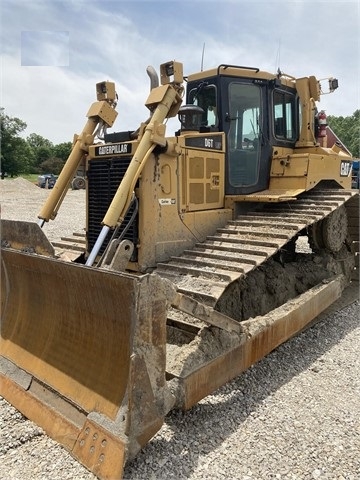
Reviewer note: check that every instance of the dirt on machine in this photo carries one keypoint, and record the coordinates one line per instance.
(189, 270)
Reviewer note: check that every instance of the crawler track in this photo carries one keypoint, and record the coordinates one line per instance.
(206, 270)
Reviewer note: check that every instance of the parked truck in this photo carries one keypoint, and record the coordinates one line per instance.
(47, 180)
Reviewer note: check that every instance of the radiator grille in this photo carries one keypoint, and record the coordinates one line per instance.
(104, 177)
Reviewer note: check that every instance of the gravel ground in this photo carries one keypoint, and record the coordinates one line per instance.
(294, 415)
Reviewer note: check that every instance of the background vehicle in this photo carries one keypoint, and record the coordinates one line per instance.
(356, 174)
(191, 271)
(47, 180)
(79, 181)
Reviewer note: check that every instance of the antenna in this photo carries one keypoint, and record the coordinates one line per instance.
(202, 57)
(277, 59)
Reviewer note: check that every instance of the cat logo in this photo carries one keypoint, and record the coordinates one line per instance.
(345, 168)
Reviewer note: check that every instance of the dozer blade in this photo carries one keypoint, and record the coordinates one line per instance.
(83, 356)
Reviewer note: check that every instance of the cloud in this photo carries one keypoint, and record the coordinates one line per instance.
(39, 48)
(44, 97)
(117, 40)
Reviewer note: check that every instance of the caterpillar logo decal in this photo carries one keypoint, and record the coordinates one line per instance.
(345, 168)
(113, 149)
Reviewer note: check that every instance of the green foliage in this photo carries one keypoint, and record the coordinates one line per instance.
(42, 149)
(36, 154)
(16, 155)
(30, 177)
(36, 141)
(348, 131)
(52, 165)
(62, 151)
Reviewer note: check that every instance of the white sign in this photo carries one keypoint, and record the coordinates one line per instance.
(167, 201)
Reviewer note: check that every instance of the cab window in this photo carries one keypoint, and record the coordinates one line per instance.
(284, 116)
(204, 96)
(244, 134)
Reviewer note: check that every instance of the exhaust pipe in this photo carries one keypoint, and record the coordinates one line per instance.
(154, 78)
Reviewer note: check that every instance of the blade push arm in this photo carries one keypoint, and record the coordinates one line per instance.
(103, 111)
(164, 101)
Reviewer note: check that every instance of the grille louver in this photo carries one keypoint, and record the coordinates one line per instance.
(104, 177)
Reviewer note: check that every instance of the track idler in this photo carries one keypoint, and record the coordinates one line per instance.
(330, 233)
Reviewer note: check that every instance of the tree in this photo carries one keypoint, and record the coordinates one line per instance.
(348, 131)
(35, 154)
(36, 141)
(45, 152)
(16, 155)
(42, 149)
(62, 150)
(52, 165)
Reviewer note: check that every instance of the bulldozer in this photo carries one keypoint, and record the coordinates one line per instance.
(190, 269)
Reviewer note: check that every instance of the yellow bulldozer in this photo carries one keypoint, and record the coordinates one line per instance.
(191, 270)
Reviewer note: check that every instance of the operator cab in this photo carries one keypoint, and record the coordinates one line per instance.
(255, 111)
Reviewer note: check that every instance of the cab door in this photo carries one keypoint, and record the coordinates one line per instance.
(248, 153)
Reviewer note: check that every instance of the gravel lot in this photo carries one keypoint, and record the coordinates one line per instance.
(294, 415)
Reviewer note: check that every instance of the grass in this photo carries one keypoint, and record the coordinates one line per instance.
(31, 177)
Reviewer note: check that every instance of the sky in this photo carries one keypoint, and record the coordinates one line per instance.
(53, 52)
